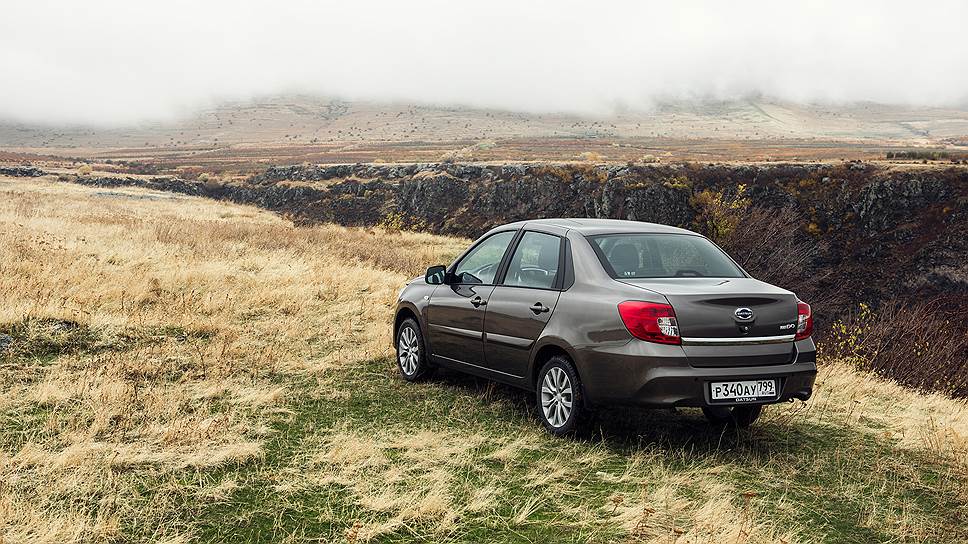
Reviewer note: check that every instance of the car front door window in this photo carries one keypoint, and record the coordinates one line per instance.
(480, 265)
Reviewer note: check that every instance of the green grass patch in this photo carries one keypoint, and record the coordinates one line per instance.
(828, 481)
(44, 339)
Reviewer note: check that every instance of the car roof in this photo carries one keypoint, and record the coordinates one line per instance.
(591, 226)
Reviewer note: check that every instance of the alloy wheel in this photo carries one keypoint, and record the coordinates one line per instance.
(556, 397)
(408, 351)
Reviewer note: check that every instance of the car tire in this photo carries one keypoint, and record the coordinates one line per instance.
(740, 416)
(560, 398)
(412, 360)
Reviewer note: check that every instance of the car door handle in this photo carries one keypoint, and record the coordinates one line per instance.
(478, 301)
(539, 308)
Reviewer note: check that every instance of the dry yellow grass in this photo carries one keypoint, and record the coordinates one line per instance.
(205, 326)
(929, 422)
(248, 297)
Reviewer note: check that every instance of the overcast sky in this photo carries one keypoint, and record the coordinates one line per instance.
(124, 61)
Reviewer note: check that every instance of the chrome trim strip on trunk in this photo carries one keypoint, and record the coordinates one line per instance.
(738, 341)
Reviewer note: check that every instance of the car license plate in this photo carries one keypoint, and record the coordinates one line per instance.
(742, 391)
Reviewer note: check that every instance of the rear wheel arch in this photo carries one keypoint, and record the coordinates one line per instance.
(559, 397)
(544, 353)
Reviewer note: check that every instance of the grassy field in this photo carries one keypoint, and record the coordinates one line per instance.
(175, 369)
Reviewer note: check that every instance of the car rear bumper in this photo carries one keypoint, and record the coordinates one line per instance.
(646, 374)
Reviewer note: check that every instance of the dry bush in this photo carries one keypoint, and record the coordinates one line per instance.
(591, 156)
(562, 173)
(912, 343)
(768, 244)
(211, 183)
(771, 246)
(719, 213)
(457, 155)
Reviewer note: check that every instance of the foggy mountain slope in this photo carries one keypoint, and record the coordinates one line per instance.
(303, 118)
(334, 126)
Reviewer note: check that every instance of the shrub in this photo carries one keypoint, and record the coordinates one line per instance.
(211, 184)
(767, 242)
(554, 171)
(486, 145)
(649, 159)
(392, 223)
(590, 173)
(923, 155)
(913, 343)
(457, 155)
(680, 183)
(718, 214)
(771, 245)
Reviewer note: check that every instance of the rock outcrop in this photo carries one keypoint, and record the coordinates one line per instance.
(21, 171)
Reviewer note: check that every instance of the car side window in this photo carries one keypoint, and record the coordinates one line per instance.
(535, 261)
(480, 265)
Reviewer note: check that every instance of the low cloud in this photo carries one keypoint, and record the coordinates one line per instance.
(110, 62)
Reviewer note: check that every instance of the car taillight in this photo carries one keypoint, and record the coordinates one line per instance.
(804, 321)
(650, 321)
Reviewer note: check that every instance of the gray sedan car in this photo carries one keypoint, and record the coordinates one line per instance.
(590, 312)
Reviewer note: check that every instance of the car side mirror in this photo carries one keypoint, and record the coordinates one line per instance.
(436, 274)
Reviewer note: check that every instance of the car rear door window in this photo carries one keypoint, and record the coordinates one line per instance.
(535, 261)
(481, 263)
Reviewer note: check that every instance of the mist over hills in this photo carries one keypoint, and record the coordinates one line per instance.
(113, 63)
(299, 128)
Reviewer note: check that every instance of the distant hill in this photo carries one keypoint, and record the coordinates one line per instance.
(290, 129)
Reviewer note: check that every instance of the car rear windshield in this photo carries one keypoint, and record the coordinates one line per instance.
(662, 256)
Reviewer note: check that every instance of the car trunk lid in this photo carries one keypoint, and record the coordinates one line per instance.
(730, 321)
